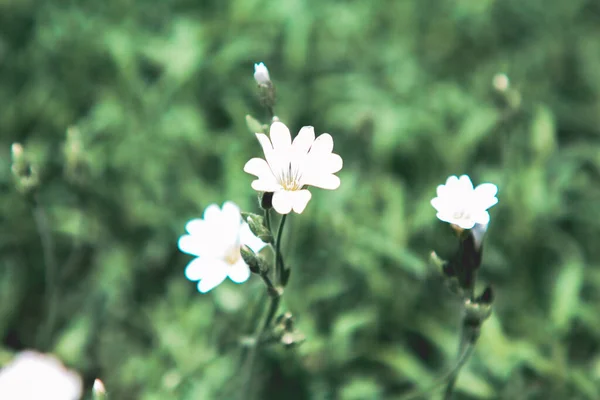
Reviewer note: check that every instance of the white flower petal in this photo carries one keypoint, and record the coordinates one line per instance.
(265, 143)
(304, 140)
(212, 213)
(199, 267)
(485, 195)
(437, 203)
(442, 191)
(332, 163)
(192, 244)
(481, 217)
(249, 239)
(464, 182)
(280, 136)
(300, 199)
(265, 185)
(323, 181)
(239, 272)
(258, 167)
(31, 375)
(195, 226)
(452, 181)
(213, 279)
(322, 145)
(282, 201)
(230, 219)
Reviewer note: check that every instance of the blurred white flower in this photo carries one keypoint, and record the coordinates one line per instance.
(290, 166)
(215, 240)
(458, 203)
(261, 74)
(35, 376)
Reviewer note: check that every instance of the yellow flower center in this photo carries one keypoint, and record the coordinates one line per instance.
(233, 256)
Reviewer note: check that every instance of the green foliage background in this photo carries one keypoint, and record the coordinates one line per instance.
(159, 91)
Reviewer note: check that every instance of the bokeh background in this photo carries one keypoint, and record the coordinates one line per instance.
(410, 91)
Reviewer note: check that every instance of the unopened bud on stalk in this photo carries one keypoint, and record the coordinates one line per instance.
(257, 226)
(25, 174)
(98, 390)
(501, 82)
(266, 200)
(266, 87)
(254, 262)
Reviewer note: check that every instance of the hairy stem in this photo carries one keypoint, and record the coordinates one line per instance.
(50, 267)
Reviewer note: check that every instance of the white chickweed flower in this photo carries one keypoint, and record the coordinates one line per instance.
(215, 240)
(458, 203)
(33, 376)
(290, 166)
(261, 74)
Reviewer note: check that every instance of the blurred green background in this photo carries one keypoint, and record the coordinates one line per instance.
(158, 91)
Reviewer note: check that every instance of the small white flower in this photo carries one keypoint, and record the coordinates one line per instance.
(33, 376)
(215, 240)
(261, 74)
(290, 166)
(458, 203)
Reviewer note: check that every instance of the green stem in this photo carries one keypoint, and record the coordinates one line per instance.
(268, 219)
(279, 267)
(468, 338)
(464, 357)
(50, 267)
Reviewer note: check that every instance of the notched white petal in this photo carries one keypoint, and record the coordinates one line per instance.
(189, 245)
(212, 212)
(195, 226)
(304, 140)
(265, 143)
(300, 199)
(265, 185)
(324, 181)
(258, 167)
(322, 145)
(282, 201)
(197, 269)
(239, 272)
(217, 274)
(280, 136)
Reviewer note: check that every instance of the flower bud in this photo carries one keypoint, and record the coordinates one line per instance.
(253, 261)
(98, 390)
(501, 82)
(266, 87)
(254, 126)
(258, 227)
(476, 312)
(261, 74)
(478, 232)
(25, 174)
(266, 200)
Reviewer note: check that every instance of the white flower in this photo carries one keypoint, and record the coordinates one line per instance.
(290, 166)
(215, 241)
(34, 376)
(261, 74)
(459, 204)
